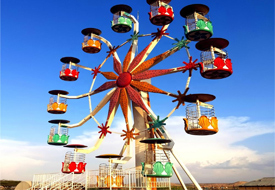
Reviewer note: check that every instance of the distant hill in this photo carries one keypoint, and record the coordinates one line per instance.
(8, 183)
(240, 183)
(214, 185)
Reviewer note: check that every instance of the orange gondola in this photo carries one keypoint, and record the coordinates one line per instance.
(57, 105)
(200, 116)
(91, 44)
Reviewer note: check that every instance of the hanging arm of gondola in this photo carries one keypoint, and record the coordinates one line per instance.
(136, 31)
(81, 66)
(108, 43)
(103, 102)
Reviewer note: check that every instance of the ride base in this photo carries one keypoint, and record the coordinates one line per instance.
(99, 179)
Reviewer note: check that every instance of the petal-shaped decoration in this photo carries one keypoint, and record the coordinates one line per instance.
(74, 72)
(204, 122)
(170, 11)
(72, 166)
(185, 124)
(117, 66)
(109, 75)
(62, 106)
(64, 138)
(162, 10)
(104, 130)
(55, 106)
(123, 101)
(80, 167)
(210, 26)
(151, 73)
(146, 87)
(56, 138)
(201, 24)
(169, 168)
(138, 58)
(153, 61)
(105, 86)
(113, 101)
(219, 63)
(119, 181)
(158, 168)
(107, 180)
(67, 71)
(102, 103)
(214, 123)
(135, 97)
(90, 42)
(228, 64)
(127, 59)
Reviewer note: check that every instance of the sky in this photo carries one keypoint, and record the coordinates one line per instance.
(36, 34)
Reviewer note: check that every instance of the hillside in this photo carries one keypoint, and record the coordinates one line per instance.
(214, 185)
(8, 183)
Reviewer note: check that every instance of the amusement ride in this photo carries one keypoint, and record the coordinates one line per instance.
(128, 87)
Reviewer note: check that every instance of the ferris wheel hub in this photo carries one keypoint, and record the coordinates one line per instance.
(124, 79)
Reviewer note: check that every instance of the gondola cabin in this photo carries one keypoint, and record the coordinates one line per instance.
(90, 43)
(200, 116)
(160, 12)
(57, 104)
(58, 133)
(157, 162)
(215, 63)
(101, 178)
(197, 24)
(74, 162)
(104, 180)
(111, 176)
(121, 22)
(69, 71)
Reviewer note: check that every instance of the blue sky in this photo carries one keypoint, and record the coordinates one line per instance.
(36, 34)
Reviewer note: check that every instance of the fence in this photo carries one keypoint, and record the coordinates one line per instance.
(98, 179)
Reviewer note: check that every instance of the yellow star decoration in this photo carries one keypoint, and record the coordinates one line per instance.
(129, 135)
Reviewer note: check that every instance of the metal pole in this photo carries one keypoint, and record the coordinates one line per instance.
(33, 180)
(198, 109)
(110, 169)
(43, 179)
(58, 98)
(87, 180)
(187, 172)
(177, 174)
(129, 178)
(73, 181)
(58, 130)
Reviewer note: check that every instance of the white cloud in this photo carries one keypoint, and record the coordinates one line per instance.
(217, 154)
(209, 158)
(20, 160)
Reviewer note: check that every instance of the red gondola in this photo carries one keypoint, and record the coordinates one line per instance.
(160, 12)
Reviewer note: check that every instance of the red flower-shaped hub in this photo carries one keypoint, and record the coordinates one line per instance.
(124, 79)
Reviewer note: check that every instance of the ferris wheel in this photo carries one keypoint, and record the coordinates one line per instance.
(128, 87)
